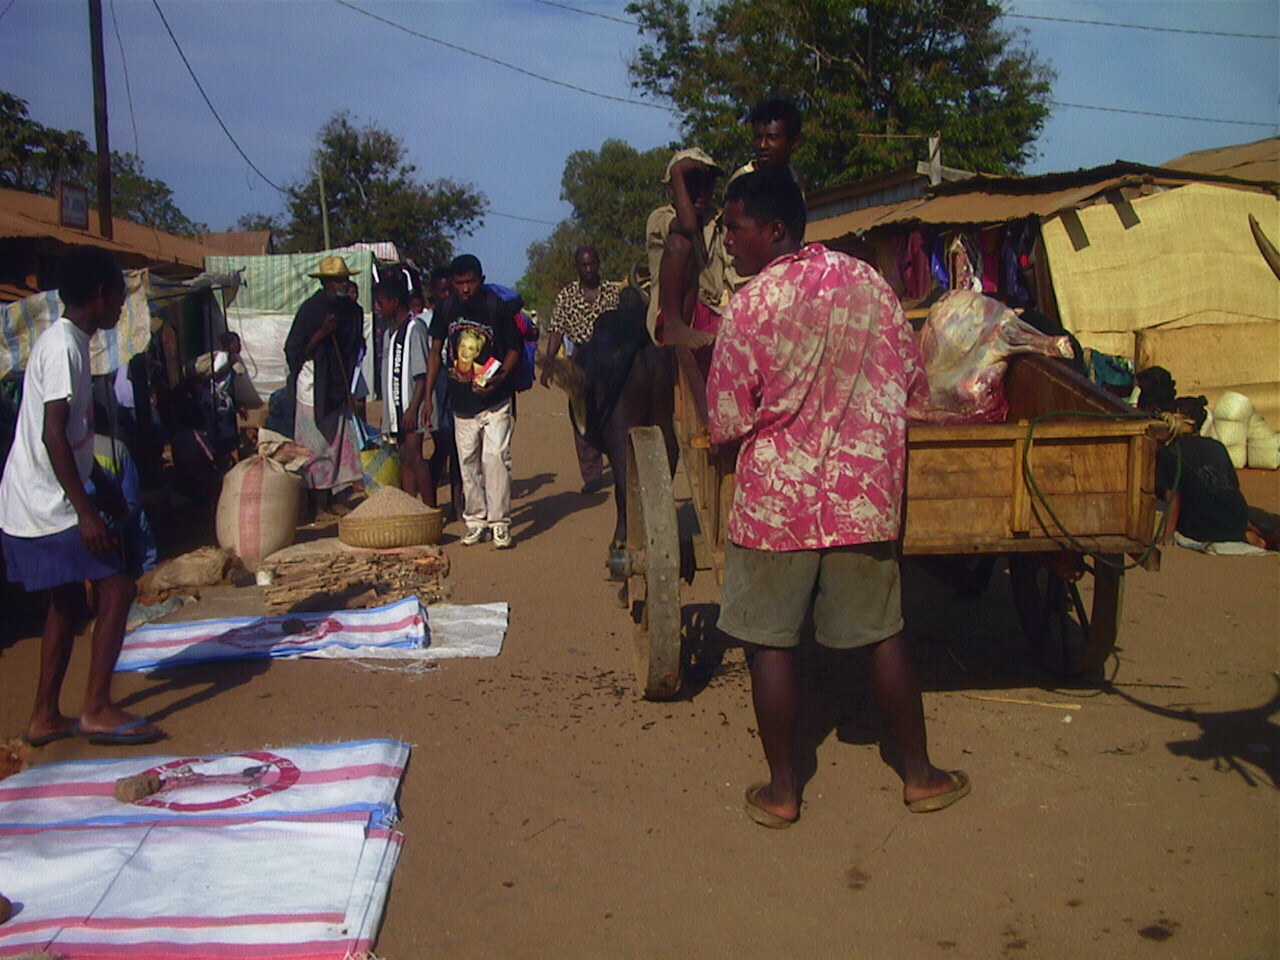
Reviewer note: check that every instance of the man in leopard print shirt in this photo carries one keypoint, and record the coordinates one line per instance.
(573, 318)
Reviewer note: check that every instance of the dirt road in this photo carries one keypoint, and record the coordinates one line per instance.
(548, 812)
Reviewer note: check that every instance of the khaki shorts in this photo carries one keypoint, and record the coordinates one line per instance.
(855, 593)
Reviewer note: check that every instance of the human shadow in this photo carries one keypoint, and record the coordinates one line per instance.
(528, 486)
(536, 517)
(196, 683)
(1233, 740)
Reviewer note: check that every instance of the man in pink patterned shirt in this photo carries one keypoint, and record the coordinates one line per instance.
(813, 366)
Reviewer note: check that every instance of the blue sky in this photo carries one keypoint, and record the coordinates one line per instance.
(277, 70)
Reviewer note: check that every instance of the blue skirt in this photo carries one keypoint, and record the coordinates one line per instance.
(39, 563)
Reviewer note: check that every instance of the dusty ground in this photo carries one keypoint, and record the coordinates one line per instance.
(548, 812)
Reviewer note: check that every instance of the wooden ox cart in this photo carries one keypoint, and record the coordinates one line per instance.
(1064, 489)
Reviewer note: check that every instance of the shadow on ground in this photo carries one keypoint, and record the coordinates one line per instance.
(180, 688)
(1234, 741)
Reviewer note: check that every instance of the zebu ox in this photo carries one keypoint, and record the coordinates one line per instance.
(618, 380)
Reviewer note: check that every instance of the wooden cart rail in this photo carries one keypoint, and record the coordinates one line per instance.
(966, 489)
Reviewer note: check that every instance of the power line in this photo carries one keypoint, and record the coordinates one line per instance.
(128, 92)
(588, 13)
(1170, 116)
(208, 102)
(1139, 26)
(501, 63)
(512, 216)
(8, 7)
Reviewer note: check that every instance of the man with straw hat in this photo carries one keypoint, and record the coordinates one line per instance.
(322, 348)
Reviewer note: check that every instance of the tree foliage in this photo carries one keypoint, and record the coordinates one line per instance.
(371, 195)
(612, 191)
(139, 198)
(33, 158)
(872, 77)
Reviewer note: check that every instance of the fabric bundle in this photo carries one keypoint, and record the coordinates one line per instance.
(401, 630)
(263, 854)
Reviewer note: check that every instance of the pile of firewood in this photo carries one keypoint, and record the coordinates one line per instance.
(355, 580)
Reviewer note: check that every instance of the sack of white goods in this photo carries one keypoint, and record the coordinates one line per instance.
(1259, 429)
(1233, 406)
(258, 509)
(1232, 433)
(1264, 454)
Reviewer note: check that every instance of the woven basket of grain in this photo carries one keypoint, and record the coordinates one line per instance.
(391, 518)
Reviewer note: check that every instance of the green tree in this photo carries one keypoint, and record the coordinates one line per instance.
(261, 221)
(371, 195)
(33, 157)
(612, 190)
(141, 199)
(872, 77)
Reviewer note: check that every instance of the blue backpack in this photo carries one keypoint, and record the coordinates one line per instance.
(528, 327)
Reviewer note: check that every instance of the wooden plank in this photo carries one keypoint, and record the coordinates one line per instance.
(927, 546)
(1020, 511)
(1082, 515)
(959, 522)
(1134, 479)
(959, 472)
(1036, 385)
(1080, 467)
(919, 434)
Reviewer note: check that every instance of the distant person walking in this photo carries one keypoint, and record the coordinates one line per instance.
(573, 319)
(322, 349)
(54, 536)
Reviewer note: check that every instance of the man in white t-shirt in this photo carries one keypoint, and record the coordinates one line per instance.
(53, 536)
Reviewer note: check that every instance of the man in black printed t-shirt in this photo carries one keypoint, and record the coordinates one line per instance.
(476, 346)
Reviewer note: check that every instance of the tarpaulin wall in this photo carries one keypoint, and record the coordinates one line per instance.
(22, 322)
(1175, 279)
(271, 290)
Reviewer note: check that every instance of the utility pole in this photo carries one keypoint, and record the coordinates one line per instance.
(100, 118)
(324, 205)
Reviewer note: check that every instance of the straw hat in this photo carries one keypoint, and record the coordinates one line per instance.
(332, 268)
(691, 153)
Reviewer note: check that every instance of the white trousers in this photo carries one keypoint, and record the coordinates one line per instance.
(484, 455)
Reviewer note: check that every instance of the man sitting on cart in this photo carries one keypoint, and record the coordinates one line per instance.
(812, 369)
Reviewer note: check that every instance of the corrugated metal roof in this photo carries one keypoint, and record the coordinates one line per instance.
(1259, 160)
(991, 200)
(33, 215)
(237, 243)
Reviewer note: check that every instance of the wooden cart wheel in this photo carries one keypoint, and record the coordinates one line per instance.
(1066, 639)
(653, 581)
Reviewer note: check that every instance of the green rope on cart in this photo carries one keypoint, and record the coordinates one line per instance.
(1067, 539)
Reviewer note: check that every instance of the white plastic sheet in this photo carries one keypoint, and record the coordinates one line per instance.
(299, 872)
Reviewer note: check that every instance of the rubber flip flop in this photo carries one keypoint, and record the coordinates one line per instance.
(960, 787)
(127, 734)
(759, 814)
(47, 738)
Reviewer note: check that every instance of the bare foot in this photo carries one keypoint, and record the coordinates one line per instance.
(46, 730)
(113, 718)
